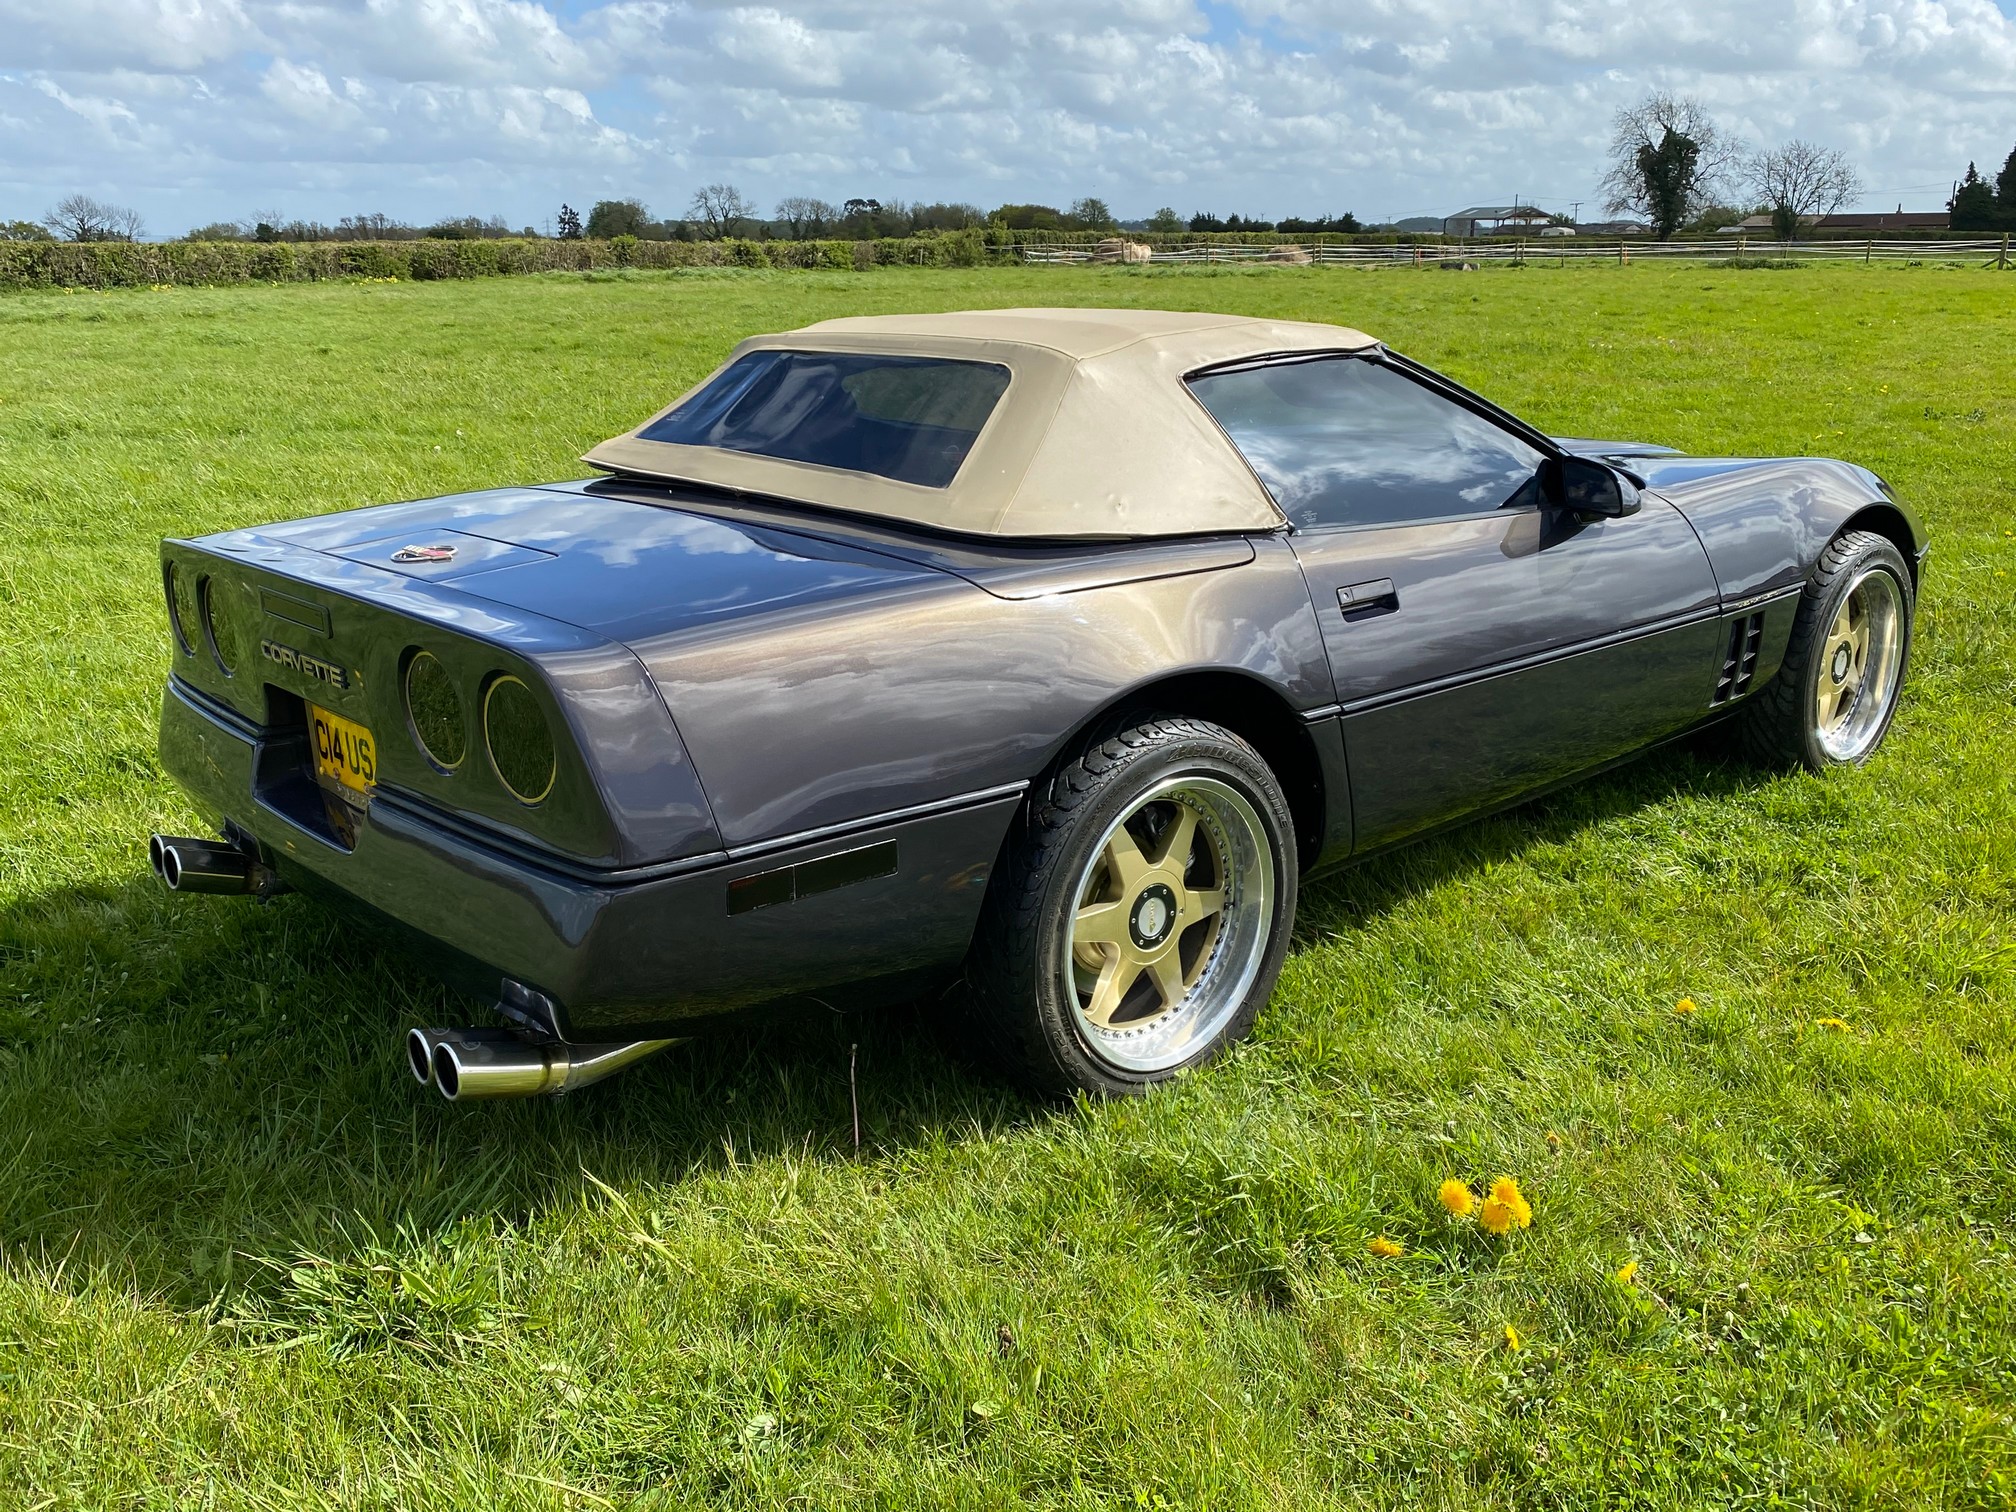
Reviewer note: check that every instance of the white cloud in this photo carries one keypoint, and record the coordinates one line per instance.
(197, 109)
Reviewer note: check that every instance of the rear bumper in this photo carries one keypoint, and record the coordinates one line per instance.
(623, 955)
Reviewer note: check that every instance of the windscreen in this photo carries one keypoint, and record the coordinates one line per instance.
(912, 419)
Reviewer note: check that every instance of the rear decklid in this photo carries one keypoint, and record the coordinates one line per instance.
(625, 569)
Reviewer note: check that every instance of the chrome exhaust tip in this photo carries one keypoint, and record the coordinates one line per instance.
(201, 866)
(471, 1065)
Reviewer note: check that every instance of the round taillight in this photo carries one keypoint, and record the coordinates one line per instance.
(519, 739)
(182, 613)
(434, 711)
(221, 616)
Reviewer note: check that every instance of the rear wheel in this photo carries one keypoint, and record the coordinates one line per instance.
(1833, 698)
(1141, 913)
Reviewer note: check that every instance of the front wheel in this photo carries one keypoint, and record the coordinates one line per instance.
(1141, 913)
(1832, 700)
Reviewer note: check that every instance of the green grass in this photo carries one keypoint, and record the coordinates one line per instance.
(245, 1263)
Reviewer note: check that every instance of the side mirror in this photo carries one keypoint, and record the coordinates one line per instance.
(1586, 487)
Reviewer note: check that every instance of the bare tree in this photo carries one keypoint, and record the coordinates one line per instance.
(806, 218)
(720, 209)
(1800, 182)
(80, 218)
(1667, 160)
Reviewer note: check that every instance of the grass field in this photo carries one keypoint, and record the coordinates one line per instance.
(244, 1262)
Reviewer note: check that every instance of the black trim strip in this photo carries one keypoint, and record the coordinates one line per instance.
(1518, 664)
(214, 708)
(1757, 600)
(876, 821)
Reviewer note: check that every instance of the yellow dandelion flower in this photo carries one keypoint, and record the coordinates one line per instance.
(1495, 1217)
(1830, 1023)
(1506, 1191)
(1628, 1273)
(1386, 1249)
(1684, 1007)
(1512, 1339)
(1553, 1140)
(1456, 1197)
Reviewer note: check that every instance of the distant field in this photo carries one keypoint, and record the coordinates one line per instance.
(244, 1262)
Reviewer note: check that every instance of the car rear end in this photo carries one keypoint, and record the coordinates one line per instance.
(485, 776)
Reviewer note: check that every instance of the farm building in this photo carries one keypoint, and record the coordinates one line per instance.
(1495, 220)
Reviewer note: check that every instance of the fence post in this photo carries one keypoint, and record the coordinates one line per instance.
(1623, 252)
(1868, 251)
(2002, 257)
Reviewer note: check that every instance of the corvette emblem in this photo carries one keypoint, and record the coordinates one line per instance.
(424, 554)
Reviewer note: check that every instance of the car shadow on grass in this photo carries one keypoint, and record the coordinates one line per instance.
(195, 1090)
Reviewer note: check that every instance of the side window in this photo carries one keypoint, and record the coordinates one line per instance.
(1346, 441)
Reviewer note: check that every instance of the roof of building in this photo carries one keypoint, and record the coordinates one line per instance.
(1501, 212)
(1095, 435)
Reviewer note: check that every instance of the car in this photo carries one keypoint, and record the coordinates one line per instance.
(1050, 650)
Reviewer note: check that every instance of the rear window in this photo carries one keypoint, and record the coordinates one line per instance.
(912, 419)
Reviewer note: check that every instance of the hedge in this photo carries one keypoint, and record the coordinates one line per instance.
(111, 265)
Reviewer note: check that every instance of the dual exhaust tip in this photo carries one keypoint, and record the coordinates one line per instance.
(189, 865)
(466, 1065)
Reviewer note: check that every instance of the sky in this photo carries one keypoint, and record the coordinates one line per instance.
(193, 111)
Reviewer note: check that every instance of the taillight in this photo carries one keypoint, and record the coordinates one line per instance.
(434, 712)
(519, 739)
(223, 613)
(182, 613)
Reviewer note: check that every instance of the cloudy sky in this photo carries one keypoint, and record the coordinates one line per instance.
(199, 110)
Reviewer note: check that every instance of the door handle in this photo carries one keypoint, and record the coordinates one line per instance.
(1375, 593)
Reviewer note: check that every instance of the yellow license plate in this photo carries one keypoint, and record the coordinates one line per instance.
(345, 753)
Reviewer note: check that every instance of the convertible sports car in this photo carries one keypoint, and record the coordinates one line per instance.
(1056, 647)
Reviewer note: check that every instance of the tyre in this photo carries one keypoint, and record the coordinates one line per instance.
(1833, 697)
(1140, 914)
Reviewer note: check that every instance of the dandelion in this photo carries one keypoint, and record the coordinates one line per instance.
(1554, 1141)
(1830, 1023)
(1512, 1339)
(1628, 1273)
(1684, 1007)
(1494, 1217)
(1456, 1197)
(1505, 1191)
(1386, 1249)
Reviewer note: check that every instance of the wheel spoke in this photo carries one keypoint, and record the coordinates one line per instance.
(1166, 971)
(1202, 902)
(1124, 857)
(1178, 840)
(1100, 924)
(1115, 978)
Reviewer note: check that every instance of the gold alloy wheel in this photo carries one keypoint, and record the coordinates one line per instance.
(1860, 658)
(1171, 921)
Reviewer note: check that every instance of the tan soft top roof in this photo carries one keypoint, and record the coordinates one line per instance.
(1095, 435)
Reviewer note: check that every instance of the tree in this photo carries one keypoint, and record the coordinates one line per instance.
(80, 218)
(1973, 204)
(1165, 219)
(570, 223)
(1028, 217)
(720, 209)
(216, 231)
(1667, 160)
(1204, 220)
(2005, 186)
(1800, 182)
(624, 217)
(806, 218)
(1092, 215)
(21, 230)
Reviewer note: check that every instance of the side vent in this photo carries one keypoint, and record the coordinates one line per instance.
(1739, 659)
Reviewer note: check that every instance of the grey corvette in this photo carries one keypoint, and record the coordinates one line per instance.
(1054, 647)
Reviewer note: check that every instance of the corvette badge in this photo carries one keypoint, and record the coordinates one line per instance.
(424, 554)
